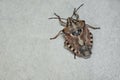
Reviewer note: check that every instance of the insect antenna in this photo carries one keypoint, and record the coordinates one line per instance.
(79, 7)
(75, 10)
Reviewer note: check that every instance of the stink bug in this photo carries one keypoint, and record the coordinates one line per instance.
(78, 38)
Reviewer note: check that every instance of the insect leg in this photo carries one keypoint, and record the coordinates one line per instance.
(62, 23)
(74, 56)
(56, 35)
(92, 27)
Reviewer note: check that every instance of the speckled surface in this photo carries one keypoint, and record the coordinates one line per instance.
(26, 53)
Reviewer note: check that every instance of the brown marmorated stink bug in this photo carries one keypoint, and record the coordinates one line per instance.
(78, 38)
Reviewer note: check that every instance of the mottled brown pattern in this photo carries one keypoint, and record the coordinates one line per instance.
(78, 38)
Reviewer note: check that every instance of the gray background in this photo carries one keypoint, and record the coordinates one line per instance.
(26, 53)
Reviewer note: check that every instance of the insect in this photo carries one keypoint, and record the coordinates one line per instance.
(78, 38)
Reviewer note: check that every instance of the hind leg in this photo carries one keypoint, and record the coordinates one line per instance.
(92, 27)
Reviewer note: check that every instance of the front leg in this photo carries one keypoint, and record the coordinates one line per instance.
(62, 23)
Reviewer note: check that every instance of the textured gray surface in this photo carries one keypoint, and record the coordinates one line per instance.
(26, 53)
